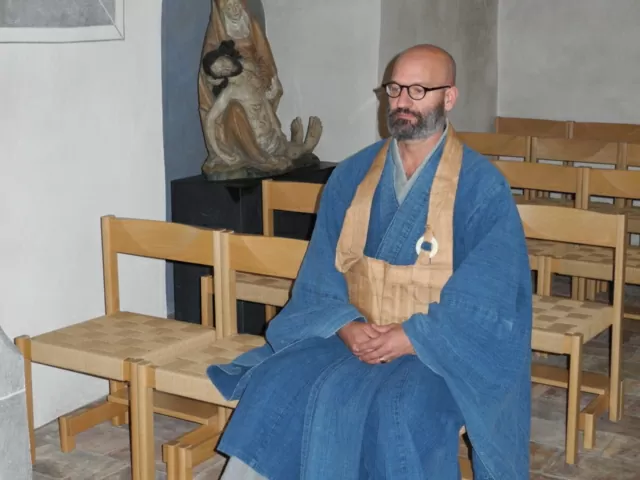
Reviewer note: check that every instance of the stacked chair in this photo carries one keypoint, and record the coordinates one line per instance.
(563, 325)
(104, 346)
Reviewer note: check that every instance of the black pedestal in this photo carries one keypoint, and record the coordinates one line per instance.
(236, 205)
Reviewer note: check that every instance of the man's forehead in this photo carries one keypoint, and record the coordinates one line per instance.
(421, 66)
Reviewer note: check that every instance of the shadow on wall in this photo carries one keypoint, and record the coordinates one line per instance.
(383, 100)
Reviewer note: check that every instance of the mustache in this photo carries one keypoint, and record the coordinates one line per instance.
(404, 111)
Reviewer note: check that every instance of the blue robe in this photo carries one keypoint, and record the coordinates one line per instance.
(310, 409)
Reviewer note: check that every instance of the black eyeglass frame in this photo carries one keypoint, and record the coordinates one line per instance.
(402, 87)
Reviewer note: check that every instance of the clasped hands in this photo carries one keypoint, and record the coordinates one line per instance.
(376, 344)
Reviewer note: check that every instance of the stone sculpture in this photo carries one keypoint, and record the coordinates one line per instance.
(239, 92)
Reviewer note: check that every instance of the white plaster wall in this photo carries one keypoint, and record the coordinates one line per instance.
(327, 58)
(465, 28)
(570, 59)
(80, 137)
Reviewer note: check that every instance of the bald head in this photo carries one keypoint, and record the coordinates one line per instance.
(436, 62)
(421, 91)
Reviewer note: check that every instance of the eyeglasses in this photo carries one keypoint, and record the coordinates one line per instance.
(416, 92)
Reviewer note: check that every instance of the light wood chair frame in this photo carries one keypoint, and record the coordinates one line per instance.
(299, 197)
(254, 254)
(141, 238)
(241, 253)
(537, 127)
(542, 177)
(498, 146)
(558, 224)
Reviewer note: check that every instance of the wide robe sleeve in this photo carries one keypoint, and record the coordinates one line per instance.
(478, 337)
(319, 304)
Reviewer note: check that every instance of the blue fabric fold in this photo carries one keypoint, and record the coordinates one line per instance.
(473, 347)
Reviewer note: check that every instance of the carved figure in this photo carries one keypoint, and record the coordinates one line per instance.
(239, 92)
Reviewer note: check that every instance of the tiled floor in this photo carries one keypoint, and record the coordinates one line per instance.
(103, 452)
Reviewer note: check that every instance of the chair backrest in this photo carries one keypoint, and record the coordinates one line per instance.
(535, 127)
(543, 177)
(633, 154)
(572, 151)
(498, 144)
(152, 239)
(301, 197)
(616, 184)
(268, 256)
(581, 227)
(609, 132)
(570, 225)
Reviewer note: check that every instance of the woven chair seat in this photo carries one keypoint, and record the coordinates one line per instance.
(562, 316)
(633, 214)
(587, 260)
(100, 346)
(186, 374)
(262, 289)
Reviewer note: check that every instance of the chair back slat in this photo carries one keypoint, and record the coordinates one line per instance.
(270, 256)
(612, 183)
(608, 132)
(571, 225)
(534, 127)
(300, 197)
(540, 176)
(497, 144)
(577, 151)
(161, 240)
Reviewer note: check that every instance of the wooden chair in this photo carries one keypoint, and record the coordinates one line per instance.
(619, 185)
(534, 127)
(500, 146)
(623, 187)
(543, 177)
(300, 197)
(562, 326)
(102, 346)
(608, 132)
(571, 151)
(575, 152)
(185, 374)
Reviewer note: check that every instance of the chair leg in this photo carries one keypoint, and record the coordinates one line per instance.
(573, 398)
(170, 451)
(186, 464)
(616, 393)
(24, 345)
(269, 312)
(142, 432)
(590, 415)
(121, 419)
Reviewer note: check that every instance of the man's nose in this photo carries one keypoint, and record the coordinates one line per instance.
(404, 100)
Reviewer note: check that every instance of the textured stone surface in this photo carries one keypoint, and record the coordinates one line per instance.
(14, 438)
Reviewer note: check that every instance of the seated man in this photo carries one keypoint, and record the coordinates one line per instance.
(410, 318)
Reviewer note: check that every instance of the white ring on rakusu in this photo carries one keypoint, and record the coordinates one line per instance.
(434, 246)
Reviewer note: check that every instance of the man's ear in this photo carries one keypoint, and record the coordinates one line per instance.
(450, 98)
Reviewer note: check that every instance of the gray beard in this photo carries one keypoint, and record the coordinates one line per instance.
(424, 127)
